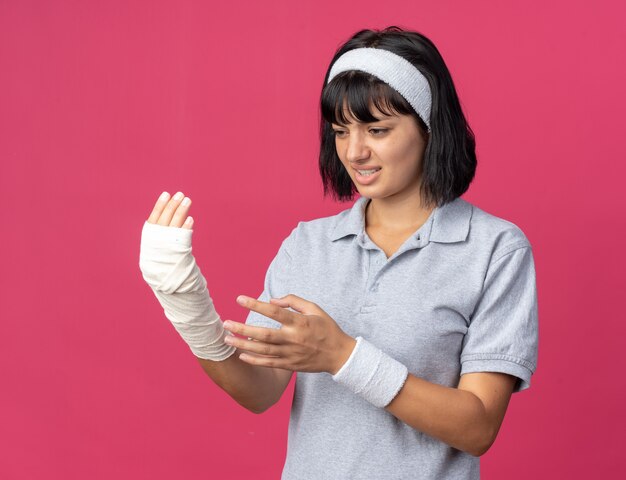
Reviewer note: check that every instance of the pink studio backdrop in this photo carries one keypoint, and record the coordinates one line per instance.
(103, 105)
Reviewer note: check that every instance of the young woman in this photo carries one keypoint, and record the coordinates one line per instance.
(410, 318)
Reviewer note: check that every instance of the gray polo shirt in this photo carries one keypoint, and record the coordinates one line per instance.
(458, 296)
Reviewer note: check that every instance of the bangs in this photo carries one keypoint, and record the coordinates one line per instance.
(357, 91)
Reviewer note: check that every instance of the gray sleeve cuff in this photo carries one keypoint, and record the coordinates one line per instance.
(501, 364)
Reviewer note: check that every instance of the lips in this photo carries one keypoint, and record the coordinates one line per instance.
(367, 179)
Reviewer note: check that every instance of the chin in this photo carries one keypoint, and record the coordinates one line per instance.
(370, 193)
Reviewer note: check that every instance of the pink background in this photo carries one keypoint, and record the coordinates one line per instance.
(103, 105)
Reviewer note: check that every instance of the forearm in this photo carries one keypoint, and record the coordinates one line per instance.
(467, 417)
(454, 416)
(253, 387)
(170, 269)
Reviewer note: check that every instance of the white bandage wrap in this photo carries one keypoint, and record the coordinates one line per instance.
(371, 373)
(167, 265)
(394, 70)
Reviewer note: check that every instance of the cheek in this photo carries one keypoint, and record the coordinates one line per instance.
(412, 158)
(342, 158)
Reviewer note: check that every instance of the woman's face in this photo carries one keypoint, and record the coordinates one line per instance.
(393, 146)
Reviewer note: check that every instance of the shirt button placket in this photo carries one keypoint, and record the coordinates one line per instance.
(378, 265)
(375, 264)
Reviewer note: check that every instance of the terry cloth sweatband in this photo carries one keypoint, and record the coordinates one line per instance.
(371, 373)
(170, 269)
(394, 70)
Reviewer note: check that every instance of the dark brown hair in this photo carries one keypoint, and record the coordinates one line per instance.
(450, 155)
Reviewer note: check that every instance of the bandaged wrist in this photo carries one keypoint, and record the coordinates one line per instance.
(371, 373)
(170, 269)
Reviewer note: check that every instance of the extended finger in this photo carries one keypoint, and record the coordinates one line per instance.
(298, 304)
(158, 207)
(188, 223)
(261, 348)
(273, 362)
(275, 312)
(178, 220)
(170, 208)
(261, 334)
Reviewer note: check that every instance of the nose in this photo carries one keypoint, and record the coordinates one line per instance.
(357, 148)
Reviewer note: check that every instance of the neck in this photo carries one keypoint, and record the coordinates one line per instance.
(394, 214)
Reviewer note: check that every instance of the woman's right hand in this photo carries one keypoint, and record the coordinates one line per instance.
(172, 212)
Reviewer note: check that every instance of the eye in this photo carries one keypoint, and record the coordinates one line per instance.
(338, 133)
(378, 131)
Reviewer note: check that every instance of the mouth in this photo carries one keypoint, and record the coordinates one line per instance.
(367, 176)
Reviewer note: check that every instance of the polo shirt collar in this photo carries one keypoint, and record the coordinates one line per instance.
(447, 223)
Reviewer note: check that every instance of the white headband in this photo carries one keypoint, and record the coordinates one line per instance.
(394, 70)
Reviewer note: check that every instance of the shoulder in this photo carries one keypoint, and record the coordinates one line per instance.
(321, 229)
(501, 235)
(313, 236)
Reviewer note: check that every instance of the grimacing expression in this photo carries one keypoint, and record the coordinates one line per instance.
(393, 146)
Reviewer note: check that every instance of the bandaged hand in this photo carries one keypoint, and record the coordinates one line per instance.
(169, 268)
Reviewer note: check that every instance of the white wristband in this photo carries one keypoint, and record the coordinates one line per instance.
(170, 269)
(371, 373)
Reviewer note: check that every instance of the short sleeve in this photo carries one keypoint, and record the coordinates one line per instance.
(503, 332)
(277, 281)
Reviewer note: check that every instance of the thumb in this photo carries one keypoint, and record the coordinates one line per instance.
(299, 304)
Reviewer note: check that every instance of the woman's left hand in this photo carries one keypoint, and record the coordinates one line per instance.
(309, 340)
